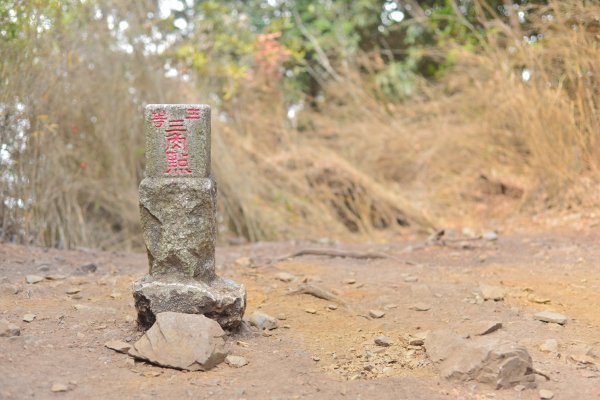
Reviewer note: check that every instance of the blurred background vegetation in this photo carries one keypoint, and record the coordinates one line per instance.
(346, 119)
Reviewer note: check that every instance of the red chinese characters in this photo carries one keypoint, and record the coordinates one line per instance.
(158, 117)
(193, 114)
(176, 140)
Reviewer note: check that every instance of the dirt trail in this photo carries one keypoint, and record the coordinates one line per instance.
(318, 351)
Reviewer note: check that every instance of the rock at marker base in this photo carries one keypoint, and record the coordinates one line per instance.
(183, 341)
(262, 321)
(498, 364)
(546, 394)
(236, 361)
(8, 329)
(549, 316)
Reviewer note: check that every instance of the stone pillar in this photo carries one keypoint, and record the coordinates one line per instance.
(178, 214)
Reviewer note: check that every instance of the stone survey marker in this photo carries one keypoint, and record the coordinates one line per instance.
(178, 214)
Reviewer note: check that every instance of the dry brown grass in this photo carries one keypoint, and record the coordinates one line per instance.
(482, 144)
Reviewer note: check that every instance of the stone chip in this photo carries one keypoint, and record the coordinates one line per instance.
(551, 317)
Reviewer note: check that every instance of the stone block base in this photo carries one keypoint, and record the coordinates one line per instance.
(222, 300)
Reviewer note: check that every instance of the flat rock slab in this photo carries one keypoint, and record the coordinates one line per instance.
(221, 300)
(182, 341)
(498, 364)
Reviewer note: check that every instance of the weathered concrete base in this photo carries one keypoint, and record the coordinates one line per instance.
(222, 300)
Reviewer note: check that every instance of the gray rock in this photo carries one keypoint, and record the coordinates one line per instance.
(546, 394)
(383, 341)
(262, 321)
(489, 292)
(376, 314)
(32, 279)
(221, 300)
(549, 316)
(118, 346)
(183, 341)
(8, 329)
(549, 346)
(497, 364)
(236, 361)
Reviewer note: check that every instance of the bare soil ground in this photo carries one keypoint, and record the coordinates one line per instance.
(317, 352)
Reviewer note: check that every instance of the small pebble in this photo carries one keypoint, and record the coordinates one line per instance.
(546, 394)
(490, 235)
(420, 307)
(332, 306)
(262, 320)
(236, 361)
(376, 314)
(284, 277)
(59, 387)
(28, 317)
(118, 346)
(350, 281)
(495, 293)
(549, 346)
(311, 311)
(32, 279)
(383, 341)
(73, 290)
